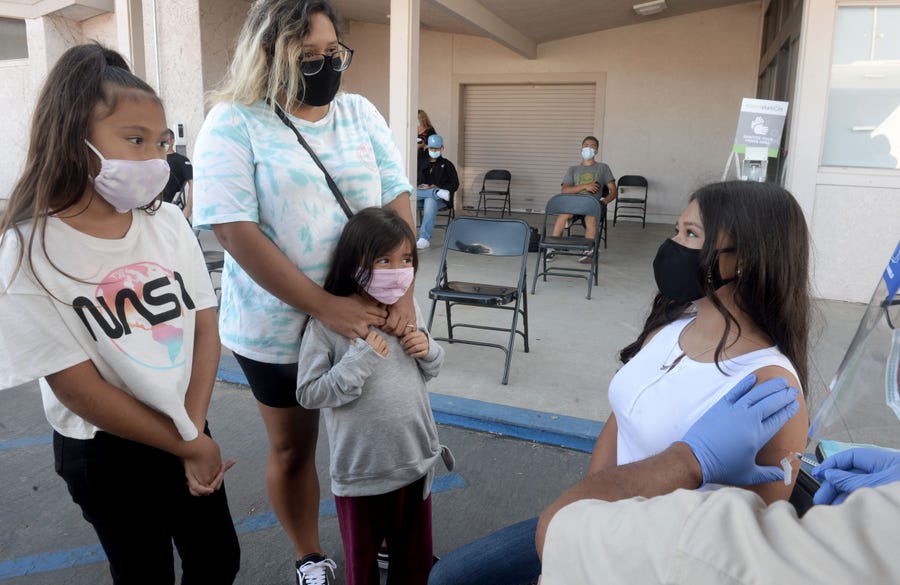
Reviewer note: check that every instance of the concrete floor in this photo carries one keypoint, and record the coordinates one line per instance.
(575, 341)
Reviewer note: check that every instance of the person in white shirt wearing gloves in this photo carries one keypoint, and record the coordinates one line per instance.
(595, 534)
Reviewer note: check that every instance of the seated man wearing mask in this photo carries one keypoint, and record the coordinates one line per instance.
(591, 177)
(437, 181)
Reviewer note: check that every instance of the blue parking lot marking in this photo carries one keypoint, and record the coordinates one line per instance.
(86, 555)
(25, 442)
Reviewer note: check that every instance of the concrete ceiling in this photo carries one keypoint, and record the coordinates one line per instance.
(518, 24)
(76, 10)
(538, 21)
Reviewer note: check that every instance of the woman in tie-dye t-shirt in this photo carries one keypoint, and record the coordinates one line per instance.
(274, 213)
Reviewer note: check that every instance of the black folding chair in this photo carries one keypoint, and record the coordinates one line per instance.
(215, 263)
(632, 199)
(478, 239)
(495, 187)
(569, 245)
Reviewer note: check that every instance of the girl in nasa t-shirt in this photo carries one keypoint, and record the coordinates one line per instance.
(104, 295)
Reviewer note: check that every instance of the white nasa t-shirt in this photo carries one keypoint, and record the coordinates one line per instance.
(128, 305)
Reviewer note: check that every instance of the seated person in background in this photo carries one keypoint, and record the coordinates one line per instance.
(181, 179)
(437, 180)
(589, 178)
(425, 129)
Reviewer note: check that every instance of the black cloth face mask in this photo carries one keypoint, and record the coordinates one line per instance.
(320, 88)
(677, 272)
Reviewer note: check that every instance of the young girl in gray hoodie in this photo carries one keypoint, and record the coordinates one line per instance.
(381, 431)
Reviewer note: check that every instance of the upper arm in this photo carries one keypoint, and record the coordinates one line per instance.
(225, 171)
(401, 205)
(605, 448)
(394, 180)
(790, 439)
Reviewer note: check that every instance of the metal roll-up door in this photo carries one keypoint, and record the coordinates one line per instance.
(533, 131)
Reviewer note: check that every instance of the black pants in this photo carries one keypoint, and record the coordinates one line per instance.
(136, 497)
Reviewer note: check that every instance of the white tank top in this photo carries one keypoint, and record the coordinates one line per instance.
(655, 406)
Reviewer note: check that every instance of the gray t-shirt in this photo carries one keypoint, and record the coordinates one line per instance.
(586, 174)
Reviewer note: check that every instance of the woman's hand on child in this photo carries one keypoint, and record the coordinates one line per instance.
(415, 343)
(401, 317)
(378, 343)
(351, 317)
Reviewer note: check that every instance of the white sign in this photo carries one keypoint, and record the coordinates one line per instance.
(760, 125)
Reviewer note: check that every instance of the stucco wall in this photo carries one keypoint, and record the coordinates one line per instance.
(673, 89)
(101, 29)
(178, 46)
(17, 97)
(221, 22)
(20, 83)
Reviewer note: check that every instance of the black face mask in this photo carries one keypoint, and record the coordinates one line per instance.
(677, 272)
(322, 87)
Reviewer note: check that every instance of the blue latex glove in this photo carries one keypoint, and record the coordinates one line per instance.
(847, 471)
(726, 439)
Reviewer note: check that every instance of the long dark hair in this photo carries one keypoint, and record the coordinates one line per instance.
(768, 231)
(57, 165)
(371, 233)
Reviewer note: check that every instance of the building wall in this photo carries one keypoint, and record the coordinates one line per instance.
(853, 213)
(17, 96)
(173, 41)
(21, 81)
(671, 100)
(101, 29)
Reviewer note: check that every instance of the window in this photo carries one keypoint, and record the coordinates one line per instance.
(13, 41)
(863, 120)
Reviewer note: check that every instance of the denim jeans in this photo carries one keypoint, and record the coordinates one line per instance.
(430, 203)
(506, 557)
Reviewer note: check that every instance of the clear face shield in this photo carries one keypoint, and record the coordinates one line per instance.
(863, 405)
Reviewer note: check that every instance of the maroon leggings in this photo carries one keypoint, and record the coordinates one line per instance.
(400, 517)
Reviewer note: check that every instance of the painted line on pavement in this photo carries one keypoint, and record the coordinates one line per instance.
(25, 442)
(520, 423)
(86, 555)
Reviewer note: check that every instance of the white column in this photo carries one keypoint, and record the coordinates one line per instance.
(404, 80)
(130, 34)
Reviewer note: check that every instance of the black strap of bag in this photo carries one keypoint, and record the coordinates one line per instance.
(331, 184)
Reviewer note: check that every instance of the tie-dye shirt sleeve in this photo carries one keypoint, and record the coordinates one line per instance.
(394, 180)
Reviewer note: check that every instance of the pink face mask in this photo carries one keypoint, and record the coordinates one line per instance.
(129, 184)
(387, 285)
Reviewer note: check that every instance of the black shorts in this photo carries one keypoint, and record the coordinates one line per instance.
(274, 385)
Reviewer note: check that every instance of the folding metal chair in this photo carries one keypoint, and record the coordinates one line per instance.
(632, 198)
(215, 263)
(497, 192)
(569, 245)
(469, 242)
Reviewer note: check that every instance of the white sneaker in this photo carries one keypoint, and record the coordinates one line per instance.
(443, 194)
(422, 243)
(316, 572)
